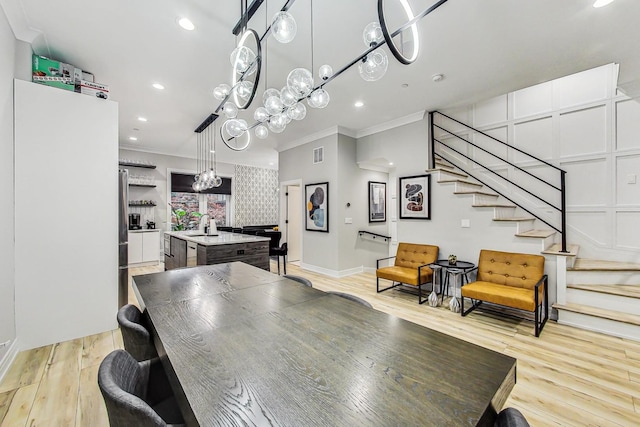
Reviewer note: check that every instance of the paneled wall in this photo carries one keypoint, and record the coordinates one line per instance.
(581, 124)
(255, 196)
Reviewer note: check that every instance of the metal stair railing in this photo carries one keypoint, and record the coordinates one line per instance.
(560, 189)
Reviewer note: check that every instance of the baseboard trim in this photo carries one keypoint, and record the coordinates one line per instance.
(8, 358)
(369, 270)
(331, 273)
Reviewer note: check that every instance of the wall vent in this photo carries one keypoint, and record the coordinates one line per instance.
(318, 155)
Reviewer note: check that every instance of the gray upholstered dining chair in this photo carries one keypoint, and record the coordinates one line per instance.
(511, 417)
(299, 279)
(351, 297)
(135, 333)
(137, 393)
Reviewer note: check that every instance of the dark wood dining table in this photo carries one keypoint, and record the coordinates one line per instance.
(246, 347)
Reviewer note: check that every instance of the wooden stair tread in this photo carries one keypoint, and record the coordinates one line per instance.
(493, 205)
(482, 193)
(582, 264)
(572, 250)
(458, 181)
(451, 172)
(540, 234)
(515, 218)
(631, 291)
(600, 312)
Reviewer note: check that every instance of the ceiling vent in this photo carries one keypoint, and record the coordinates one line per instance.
(318, 155)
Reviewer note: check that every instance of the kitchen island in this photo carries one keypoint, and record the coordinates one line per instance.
(193, 247)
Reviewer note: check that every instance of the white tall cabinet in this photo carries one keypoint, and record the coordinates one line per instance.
(66, 205)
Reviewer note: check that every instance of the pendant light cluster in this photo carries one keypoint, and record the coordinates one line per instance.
(280, 107)
(207, 176)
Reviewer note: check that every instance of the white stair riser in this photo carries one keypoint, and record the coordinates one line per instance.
(443, 175)
(523, 226)
(606, 301)
(483, 199)
(603, 277)
(598, 324)
(461, 186)
(502, 212)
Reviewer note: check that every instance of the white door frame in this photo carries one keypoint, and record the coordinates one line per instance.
(283, 210)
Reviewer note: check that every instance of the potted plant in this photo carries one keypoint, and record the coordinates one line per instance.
(181, 216)
(453, 259)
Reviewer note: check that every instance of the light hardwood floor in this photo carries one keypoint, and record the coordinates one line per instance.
(567, 377)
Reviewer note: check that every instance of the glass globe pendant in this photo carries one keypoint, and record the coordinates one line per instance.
(274, 105)
(284, 27)
(300, 81)
(325, 72)
(230, 110)
(297, 112)
(261, 132)
(374, 66)
(261, 115)
(277, 123)
(372, 34)
(319, 98)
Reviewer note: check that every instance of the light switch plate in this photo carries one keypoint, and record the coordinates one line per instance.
(348, 220)
(465, 223)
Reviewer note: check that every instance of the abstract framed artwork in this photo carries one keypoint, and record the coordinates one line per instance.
(415, 197)
(317, 197)
(377, 201)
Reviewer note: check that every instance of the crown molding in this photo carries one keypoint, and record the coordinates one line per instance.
(334, 130)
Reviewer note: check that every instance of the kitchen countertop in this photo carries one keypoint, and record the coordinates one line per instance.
(144, 230)
(223, 237)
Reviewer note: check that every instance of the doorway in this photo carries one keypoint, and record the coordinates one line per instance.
(293, 221)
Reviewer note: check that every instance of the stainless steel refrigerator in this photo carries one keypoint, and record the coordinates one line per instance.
(123, 238)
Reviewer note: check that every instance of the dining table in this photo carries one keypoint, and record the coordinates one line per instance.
(245, 347)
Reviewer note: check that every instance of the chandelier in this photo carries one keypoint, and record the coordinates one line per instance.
(280, 107)
(207, 166)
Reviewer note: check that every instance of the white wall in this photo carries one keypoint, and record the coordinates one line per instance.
(353, 188)
(341, 251)
(66, 199)
(7, 278)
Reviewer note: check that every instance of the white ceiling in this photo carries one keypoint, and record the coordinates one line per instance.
(484, 48)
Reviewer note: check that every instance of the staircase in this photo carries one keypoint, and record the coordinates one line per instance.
(602, 296)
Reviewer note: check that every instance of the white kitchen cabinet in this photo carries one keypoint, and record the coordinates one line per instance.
(144, 246)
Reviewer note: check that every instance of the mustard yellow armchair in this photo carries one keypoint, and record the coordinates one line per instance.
(411, 267)
(510, 279)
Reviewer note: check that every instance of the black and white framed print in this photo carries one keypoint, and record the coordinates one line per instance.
(377, 201)
(415, 197)
(317, 199)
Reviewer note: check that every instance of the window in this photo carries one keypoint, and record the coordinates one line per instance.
(215, 202)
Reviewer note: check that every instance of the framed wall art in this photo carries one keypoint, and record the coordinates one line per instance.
(317, 199)
(377, 201)
(414, 194)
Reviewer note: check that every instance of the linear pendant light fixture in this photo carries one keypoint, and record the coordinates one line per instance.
(280, 107)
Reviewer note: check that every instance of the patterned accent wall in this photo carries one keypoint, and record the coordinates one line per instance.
(255, 197)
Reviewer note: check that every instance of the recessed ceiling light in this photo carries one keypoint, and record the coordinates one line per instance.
(405, 85)
(359, 104)
(601, 3)
(437, 77)
(158, 86)
(142, 119)
(133, 138)
(186, 24)
(390, 163)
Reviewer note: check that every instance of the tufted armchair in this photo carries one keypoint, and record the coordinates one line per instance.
(510, 279)
(411, 267)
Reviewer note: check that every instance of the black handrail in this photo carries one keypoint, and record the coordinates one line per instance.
(561, 189)
(361, 232)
